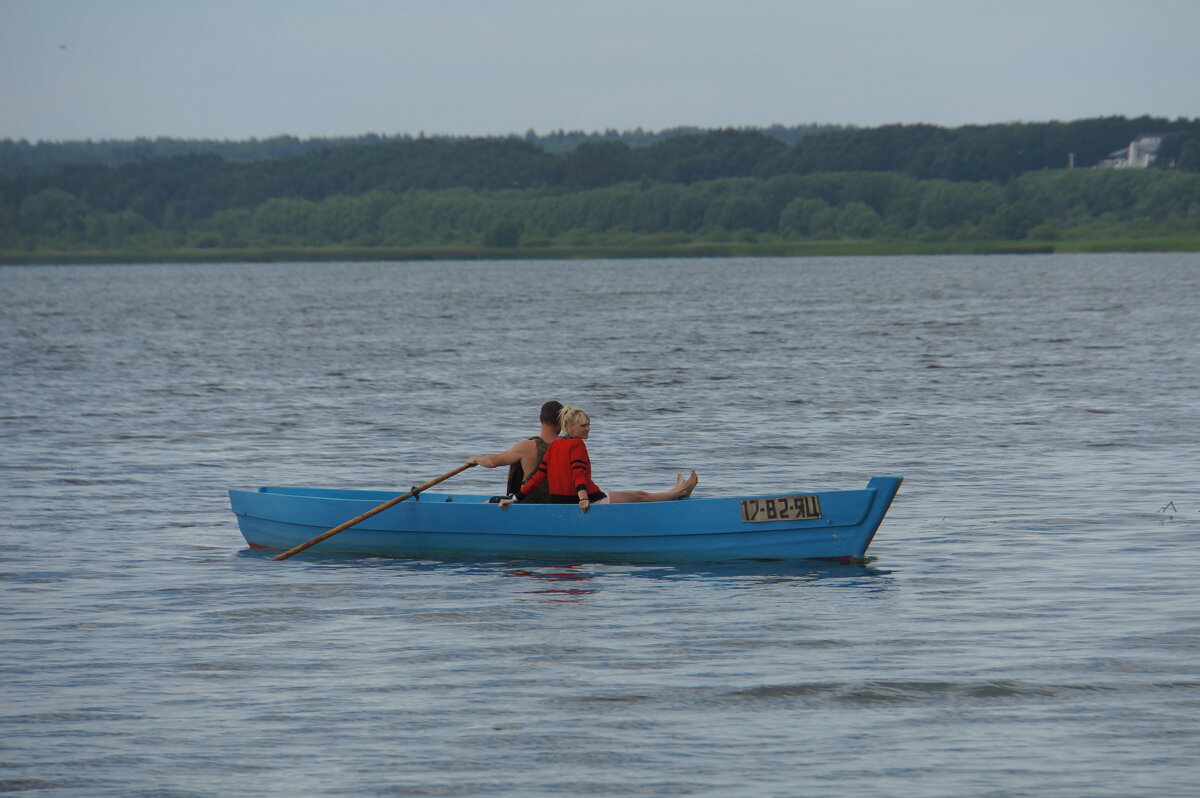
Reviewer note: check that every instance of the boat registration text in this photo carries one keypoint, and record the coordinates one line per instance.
(781, 508)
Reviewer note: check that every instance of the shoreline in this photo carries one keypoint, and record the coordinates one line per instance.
(629, 251)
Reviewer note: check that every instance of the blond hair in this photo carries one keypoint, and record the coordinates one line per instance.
(571, 415)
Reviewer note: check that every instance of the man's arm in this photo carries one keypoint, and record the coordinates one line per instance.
(512, 455)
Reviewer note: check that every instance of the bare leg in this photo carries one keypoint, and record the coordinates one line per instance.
(682, 488)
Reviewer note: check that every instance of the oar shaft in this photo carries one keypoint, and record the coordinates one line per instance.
(369, 513)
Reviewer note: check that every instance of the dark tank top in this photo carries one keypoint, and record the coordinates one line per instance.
(517, 476)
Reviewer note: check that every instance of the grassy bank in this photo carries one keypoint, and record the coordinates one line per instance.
(683, 250)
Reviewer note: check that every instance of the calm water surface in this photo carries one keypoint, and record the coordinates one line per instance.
(1030, 624)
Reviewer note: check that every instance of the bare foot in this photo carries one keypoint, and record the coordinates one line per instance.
(689, 485)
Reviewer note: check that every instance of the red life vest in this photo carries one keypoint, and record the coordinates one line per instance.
(567, 470)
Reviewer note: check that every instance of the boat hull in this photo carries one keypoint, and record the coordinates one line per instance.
(445, 525)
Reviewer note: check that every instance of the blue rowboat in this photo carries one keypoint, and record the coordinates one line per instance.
(825, 525)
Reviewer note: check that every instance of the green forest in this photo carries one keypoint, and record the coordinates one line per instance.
(779, 189)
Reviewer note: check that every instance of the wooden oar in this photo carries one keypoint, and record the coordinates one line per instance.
(369, 513)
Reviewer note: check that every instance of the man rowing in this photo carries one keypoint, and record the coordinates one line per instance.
(524, 456)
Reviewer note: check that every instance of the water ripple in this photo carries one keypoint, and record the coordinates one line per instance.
(1027, 625)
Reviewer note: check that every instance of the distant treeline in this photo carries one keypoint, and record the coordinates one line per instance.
(20, 157)
(901, 182)
(1087, 203)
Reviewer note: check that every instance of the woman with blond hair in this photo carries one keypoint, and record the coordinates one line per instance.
(567, 470)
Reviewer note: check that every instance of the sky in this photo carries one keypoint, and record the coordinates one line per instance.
(240, 69)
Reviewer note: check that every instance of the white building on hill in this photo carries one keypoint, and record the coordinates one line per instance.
(1140, 153)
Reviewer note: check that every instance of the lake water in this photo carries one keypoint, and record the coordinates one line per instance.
(1029, 625)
